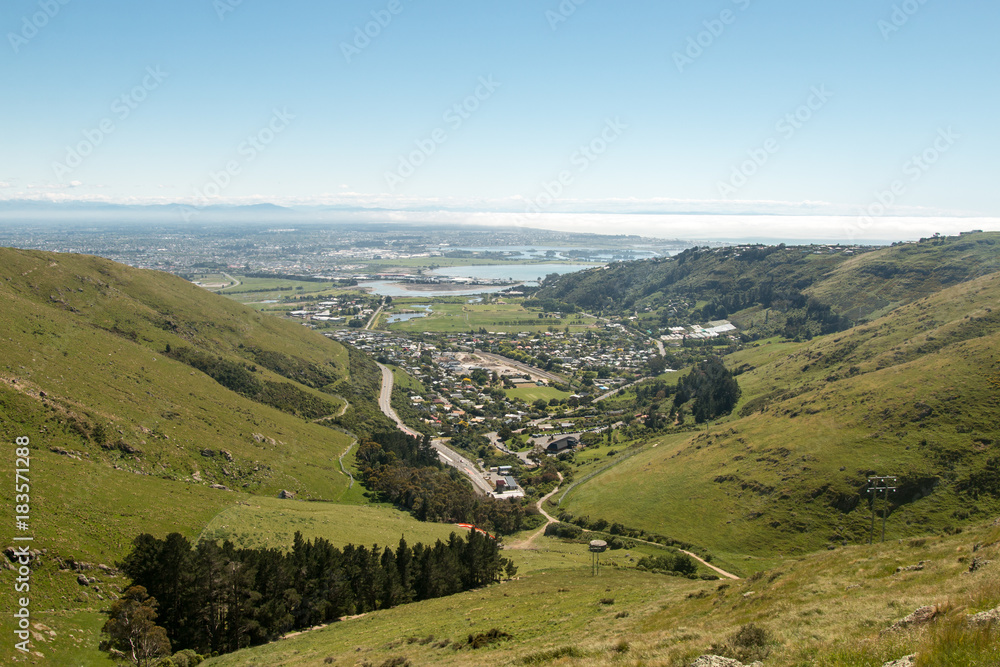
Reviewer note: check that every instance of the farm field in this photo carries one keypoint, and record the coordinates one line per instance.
(531, 394)
(254, 291)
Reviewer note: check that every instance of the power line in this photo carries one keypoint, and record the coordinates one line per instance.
(876, 484)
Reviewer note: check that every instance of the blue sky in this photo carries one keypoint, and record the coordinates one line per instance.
(746, 106)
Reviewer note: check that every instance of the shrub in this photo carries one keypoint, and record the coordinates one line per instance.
(751, 642)
(491, 636)
(398, 661)
(566, 530)
(186, 658)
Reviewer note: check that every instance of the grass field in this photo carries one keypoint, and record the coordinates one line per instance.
(533, 393)
(453, 317)
(125, 439)
(254, 291)
(826, 609)
(272, 522)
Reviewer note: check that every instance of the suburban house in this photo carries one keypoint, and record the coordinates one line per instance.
(506, 483)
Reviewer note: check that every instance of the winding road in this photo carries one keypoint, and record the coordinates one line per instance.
(447, 455)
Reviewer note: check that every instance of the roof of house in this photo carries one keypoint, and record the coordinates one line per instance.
(563, 443)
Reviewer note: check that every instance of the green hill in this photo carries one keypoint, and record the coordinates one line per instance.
(796, 291)
(913, 394)
(151, 405)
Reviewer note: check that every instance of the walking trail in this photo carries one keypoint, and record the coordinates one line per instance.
(528, 542)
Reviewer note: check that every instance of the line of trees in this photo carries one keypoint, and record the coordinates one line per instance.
(213, 598)
(242, 378)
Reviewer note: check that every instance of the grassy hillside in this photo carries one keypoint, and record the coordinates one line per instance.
(85, 370)
(872, 284)
(129, 435)
(828, 608)
(913, 394)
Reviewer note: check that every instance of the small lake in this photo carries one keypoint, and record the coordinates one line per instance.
(521, 273)
(404, 317)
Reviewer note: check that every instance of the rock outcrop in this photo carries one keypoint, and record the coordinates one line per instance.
(984, 618)
(918, 617)
(905, 661)
(720, 661)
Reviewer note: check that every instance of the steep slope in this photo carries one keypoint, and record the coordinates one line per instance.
(126, 437)
(913, 394)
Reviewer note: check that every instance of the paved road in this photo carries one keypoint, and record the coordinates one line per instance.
(374, 317)
(447, 455)
(494, 439)
(450, 457)
(385, 402)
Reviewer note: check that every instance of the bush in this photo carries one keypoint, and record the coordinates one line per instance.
(751, 642)
(680, 563)
(186, 658)
(549, 655)
(565, 530)
(398, 661)
(482, 639)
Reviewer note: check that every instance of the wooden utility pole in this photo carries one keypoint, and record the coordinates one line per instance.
(885, 485)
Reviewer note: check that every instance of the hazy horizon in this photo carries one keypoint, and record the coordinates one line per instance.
(854, 120)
